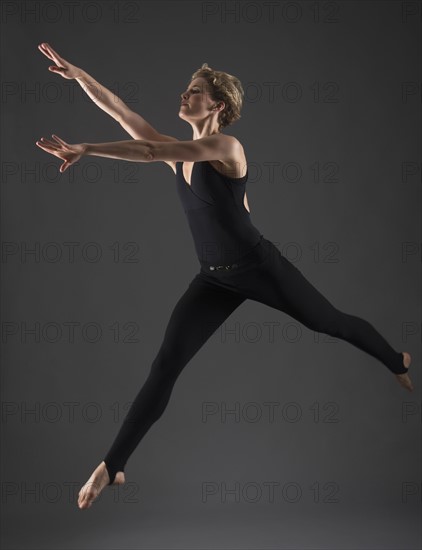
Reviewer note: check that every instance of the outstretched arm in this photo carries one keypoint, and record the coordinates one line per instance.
(215, 147)
(105, 99)
(131, 122)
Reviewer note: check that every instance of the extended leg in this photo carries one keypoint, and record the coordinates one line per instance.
(196, 316)
(284, 287)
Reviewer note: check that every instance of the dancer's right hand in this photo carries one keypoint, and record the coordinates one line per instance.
(62, 67)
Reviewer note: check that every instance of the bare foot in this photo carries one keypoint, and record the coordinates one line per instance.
(404, 379)
(95, 484)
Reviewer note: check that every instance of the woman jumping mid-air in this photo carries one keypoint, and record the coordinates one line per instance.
(236, 261)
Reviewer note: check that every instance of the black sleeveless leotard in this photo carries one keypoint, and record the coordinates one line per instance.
(221, 226)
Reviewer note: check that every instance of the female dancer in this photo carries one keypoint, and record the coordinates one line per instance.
(236, 261)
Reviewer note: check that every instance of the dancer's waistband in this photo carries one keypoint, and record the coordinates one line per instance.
(256, 254)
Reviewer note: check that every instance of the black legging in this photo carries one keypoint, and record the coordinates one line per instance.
(264, 275)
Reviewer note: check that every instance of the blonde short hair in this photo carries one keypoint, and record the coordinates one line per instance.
(224, 87)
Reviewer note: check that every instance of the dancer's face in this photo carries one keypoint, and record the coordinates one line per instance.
(199, 101)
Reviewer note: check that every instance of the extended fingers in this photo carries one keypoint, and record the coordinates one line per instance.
(54, 55)
(51, 54)
(58, 139)
(46, 148)
(50, 143)
(43, 49)
(56, 144)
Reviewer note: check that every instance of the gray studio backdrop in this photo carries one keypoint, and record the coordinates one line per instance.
(274, 436)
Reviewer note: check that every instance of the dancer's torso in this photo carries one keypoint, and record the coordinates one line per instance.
(218, 219)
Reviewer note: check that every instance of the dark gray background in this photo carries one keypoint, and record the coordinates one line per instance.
(351, 453)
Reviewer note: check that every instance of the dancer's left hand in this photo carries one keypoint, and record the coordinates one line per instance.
(70, 153)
